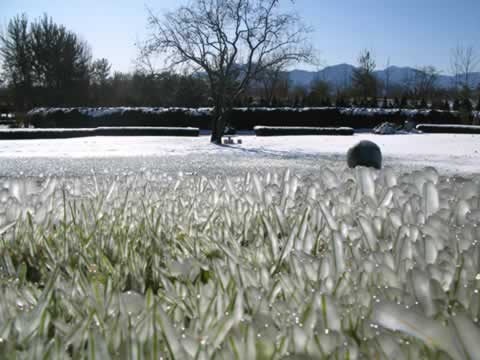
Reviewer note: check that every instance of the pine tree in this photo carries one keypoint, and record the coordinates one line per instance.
(478, 104)
(403, 102)
(15, 51)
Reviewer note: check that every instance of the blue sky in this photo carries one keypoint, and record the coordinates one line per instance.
(409, 32)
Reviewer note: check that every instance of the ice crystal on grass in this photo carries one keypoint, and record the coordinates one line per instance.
(347, 264)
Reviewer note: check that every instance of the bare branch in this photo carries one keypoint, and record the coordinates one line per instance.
(231, 41)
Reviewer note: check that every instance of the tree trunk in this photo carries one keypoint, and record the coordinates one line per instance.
(219, 118)
(216, 115)
(218, 128)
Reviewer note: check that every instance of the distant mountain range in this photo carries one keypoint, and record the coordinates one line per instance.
(341, 76)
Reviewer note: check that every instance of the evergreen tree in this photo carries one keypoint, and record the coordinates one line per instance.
(61, 63)
(478, 104)
(17, 61)
(45, 58)
(403, 102)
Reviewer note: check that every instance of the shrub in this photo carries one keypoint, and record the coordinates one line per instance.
(288, 130)
(240, 118)
(21, 134)
(449, 129)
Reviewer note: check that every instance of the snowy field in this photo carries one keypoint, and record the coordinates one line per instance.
(174, 248)
(448, 153)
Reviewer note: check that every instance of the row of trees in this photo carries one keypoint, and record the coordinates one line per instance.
(44, 63)
(47, 65)
(229, 42)
(230, 52)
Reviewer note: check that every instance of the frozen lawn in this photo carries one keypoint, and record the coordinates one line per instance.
(448, 153)
(272, 249)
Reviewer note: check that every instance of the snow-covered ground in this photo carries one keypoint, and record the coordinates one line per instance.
(318, 260)
(447, 152)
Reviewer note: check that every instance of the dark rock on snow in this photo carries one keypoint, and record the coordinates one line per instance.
(365, 153)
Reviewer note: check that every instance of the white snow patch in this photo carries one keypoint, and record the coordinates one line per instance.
(450, 152)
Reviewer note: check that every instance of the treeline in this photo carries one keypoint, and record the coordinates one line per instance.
(46, 65)
(418, 90)
(240, 118)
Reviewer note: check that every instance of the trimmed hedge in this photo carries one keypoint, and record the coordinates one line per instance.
(240, 118)
(119, 117)
(292, 131)
(449, 129)
(146, 131)
(23, 134)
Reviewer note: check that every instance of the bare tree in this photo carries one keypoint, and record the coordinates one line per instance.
(388, 75)
(464, 61)
(232, 42)
(364, 80)
(273, 81)
(422, 84)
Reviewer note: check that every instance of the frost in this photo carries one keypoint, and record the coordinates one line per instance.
(358, 262)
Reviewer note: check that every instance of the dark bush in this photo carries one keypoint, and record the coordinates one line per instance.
(448, 129)
(146, 131)
(240, 118)
(288, 131)
(118, 117)
(21, 134)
